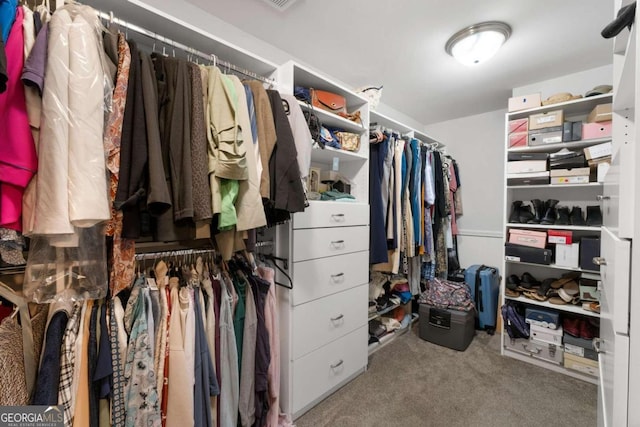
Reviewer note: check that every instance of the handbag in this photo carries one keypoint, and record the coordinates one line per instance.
(354, 117)
(443, 293)
(349, 141)
(328, 101)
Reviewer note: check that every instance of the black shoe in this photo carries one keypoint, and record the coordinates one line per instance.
(512, 282)
(576, 217)
(538, 211)
(528, 281)
(563, 216)
(594, 216)
(624, 18)
(550, 215)
(514, 217)
(525, 214)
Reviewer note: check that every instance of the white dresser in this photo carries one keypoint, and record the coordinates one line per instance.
(323, 319)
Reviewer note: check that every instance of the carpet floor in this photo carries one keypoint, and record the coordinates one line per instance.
(412, 382)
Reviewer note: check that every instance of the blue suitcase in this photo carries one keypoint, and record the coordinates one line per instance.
(485, 285)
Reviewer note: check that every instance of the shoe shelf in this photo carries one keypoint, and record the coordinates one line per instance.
(548, 365)
(590, 184)
(391, 336)
(553, 266)
(554, 227)
(385, 311)
(567, 308)
(559, 145)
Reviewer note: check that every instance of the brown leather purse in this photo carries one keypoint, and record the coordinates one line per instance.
(328, 101)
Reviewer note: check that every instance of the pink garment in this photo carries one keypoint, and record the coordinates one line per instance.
(273, 373)
(18, 158)
(453, 187)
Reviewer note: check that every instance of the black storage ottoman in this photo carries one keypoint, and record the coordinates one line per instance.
(448, 328)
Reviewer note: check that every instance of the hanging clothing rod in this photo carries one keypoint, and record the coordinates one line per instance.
(207, 56)
(169, 254)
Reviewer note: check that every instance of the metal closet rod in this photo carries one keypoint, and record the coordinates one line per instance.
(208, 56)
(176, 253)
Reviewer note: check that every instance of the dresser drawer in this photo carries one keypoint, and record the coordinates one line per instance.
(314, 243)
(329, 366)
(318, 278)
(326, 319)
(332, 214)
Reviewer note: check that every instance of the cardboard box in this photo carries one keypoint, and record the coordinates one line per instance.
(518, 139)
(540, 180)
(581, 351)
(519, 125)
(569, 172)
(525, 166)
(547, 120)
(563, 237)
(600, 113)
(524, 102)
(568, 255)
(597, 151)
(602, 170)
(542, 317)
(545, 138)
(517, 157)
(581, 364)
(535, 239)
(596, 130)
(576, 134)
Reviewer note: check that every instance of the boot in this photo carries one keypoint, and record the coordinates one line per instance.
(538, 211)
(525, 214)
(563, 216)
(576, 217)
(594, 216)
(514, 217)
(550, 215)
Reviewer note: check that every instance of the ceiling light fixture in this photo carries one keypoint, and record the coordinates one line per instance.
(477, 43)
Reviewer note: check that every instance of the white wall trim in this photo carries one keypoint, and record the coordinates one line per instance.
(480, 233)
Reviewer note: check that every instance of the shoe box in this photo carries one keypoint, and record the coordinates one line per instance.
(564, 237)
(524, 102)
(601, 113)
(538, 349)
(550, 135)
(546, 120)
(518, 132)
(580, 347)
(568, 255)
(596, 130)
(589, 249)
(449, 328)
(581, 364)
(535, 239)
(542, 334)
(541, 317)
(520, 253)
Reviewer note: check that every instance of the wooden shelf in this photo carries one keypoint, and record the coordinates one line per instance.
(326, 155)
(548, 365)
(333, 120)
(389, 123)
(554, 186)
(553, 266)
(545, 148)
(305, 77)
(385, 311)
(567, 308)
(554, 227)
(570, 108)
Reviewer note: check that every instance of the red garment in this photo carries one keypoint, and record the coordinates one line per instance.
(18, 158)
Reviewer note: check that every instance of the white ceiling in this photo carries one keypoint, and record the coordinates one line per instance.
(400, 44)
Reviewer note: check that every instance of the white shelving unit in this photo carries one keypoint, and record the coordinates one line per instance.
(581, 195)
(323, 319)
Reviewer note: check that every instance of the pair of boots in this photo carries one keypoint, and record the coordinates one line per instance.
(542, 213)
(548, 213)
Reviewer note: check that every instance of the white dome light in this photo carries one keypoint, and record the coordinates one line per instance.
(477, 43)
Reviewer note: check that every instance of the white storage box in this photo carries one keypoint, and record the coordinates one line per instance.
(542, 334)
(568, 255)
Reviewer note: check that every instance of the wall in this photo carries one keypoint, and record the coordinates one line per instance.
(576, 83)
(477, 144)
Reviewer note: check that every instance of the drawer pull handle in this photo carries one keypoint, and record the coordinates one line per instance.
(335, 276)
(598, 260)
(337, 365)
(600, 197)
(337, 242)
(335, 319)
(597, 345)
(337, 217)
